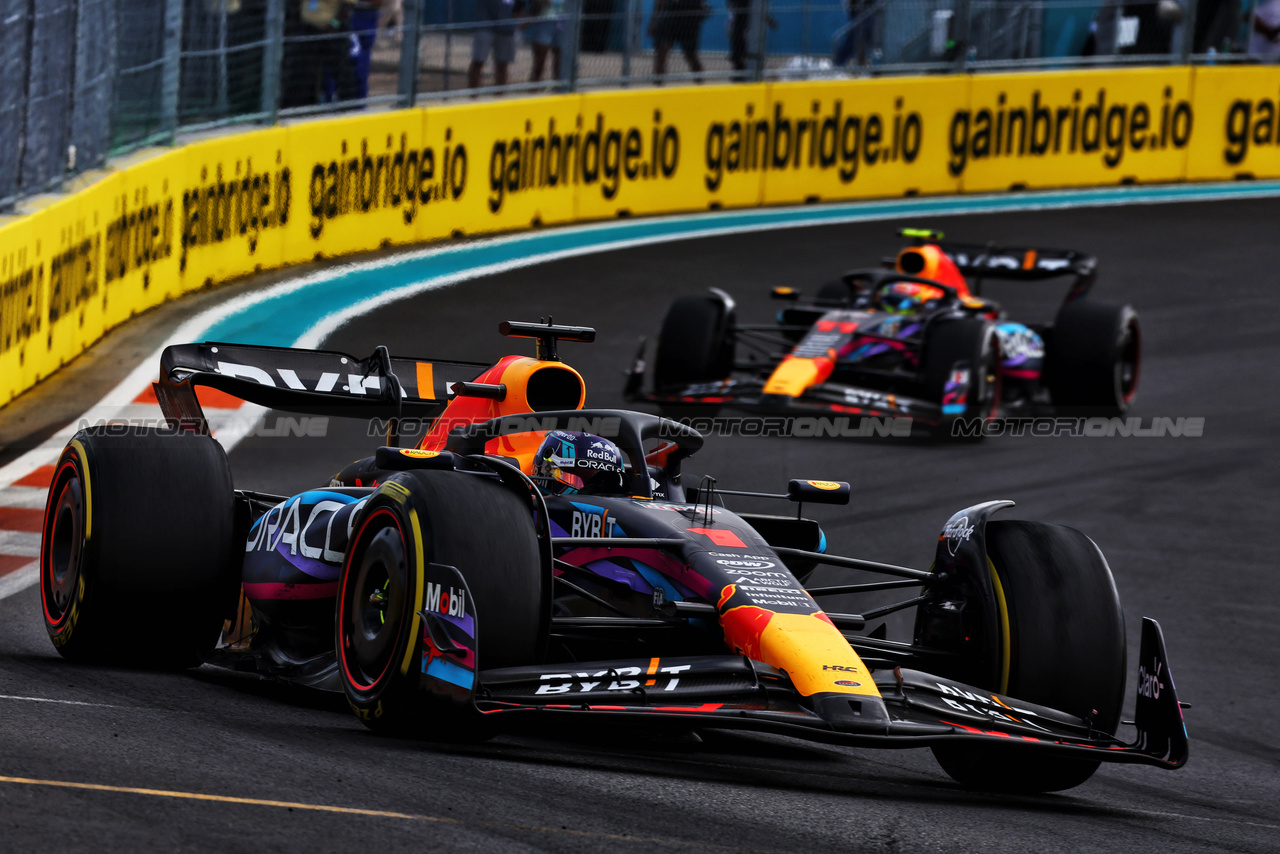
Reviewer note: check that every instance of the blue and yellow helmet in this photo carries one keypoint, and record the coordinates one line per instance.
(907, 297)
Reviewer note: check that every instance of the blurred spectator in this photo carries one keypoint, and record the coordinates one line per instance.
(321, 47)
(364, 25)
(676, 22)
(391, 18)
(739, 30)
(859, 33)
(1265, 38)
(495, 34)
(739, 23)
(1217, 26)
(593, 33)
(545, 35)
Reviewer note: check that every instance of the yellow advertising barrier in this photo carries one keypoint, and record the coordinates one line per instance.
(24, 309)
(1033, 131)
(656, 151)
(1239, 134)
(163, 224)
(830, 141)
(355, 169)
(138, 212)
(502, 166)
(232, 199)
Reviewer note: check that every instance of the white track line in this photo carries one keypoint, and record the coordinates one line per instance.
(59, 702)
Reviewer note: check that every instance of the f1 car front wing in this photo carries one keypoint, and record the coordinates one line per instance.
(917, 709)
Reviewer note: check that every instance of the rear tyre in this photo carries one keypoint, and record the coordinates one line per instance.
(695, 344)
(138, 563)
(1093, 357)
(468, 521)
(1065, 648)
(973, 342)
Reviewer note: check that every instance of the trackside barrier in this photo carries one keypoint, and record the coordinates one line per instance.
(201, 214)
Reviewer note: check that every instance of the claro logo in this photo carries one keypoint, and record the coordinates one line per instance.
(402, 177)
(1041, 128)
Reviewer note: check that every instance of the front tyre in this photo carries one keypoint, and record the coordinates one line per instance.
(695, 344)
(1062, 646)
(468, 521)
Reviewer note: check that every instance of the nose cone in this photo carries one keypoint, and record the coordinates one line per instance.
(852, 714)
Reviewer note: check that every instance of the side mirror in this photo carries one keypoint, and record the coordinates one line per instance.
(789, 294)
(818, 491)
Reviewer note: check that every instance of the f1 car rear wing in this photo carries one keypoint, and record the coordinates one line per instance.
(1018, 263)
(315, 382)
(1021, 263)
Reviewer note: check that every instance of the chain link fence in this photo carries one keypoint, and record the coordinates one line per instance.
(81, 80)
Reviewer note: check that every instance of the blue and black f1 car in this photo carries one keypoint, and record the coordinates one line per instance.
(915, 340)
(450, 590)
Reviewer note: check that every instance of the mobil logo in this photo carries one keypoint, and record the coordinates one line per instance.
(449, 601)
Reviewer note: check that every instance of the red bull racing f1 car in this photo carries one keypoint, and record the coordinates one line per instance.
(914, 341)
(531, 561)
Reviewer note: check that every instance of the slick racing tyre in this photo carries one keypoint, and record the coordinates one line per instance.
(138, 564)
(1062, 646)
(974, 343)
(1094, 354)
(695, 344)
(467, 521)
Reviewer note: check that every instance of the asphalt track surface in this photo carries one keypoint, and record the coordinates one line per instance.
(1185, 523)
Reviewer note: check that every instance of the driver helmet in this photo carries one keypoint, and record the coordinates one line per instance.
(908, 297)
(568, 463)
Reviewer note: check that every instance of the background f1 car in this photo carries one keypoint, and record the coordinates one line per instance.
(447, 592)
(914, 340)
